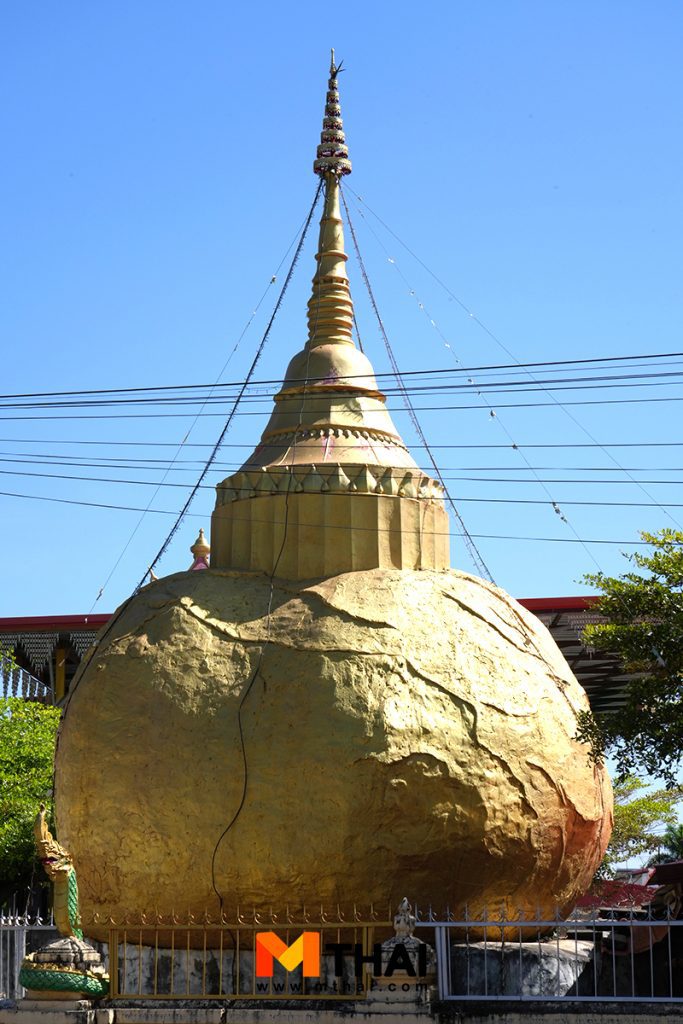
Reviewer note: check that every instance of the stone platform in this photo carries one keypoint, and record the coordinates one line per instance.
(385, 1010)
(538, 969)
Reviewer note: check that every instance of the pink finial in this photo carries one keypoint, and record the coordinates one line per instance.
(201, 550)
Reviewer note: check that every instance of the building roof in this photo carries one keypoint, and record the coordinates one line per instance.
(601, 674)
(35, 639)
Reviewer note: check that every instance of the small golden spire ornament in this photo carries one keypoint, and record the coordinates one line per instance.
(201, 551)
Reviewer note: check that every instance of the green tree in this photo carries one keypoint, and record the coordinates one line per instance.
(27, 744)
(636, 815)
(670, 846)
(643, 610)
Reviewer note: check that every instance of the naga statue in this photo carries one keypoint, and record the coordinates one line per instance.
(70, 966)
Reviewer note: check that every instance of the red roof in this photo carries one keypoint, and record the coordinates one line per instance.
(559, 604)
(52, 623)
(611, 892)
(67, 623)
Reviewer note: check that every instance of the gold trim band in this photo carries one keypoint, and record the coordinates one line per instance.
(326, 428)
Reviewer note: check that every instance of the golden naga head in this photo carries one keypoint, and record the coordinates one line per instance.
(54, 858)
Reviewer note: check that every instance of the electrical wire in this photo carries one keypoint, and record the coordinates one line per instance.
(592, 383)
(233, 411)
(562, 405)
(516, 365)
(248, 488)
(472, 548)
(327, 526)
(178, 465)
(510, 355)
(418, 408)
(482, 392)
(249, 446)
(486, 388)
(271, 593)
(179, 448)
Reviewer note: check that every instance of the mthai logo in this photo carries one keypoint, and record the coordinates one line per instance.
(304, 950)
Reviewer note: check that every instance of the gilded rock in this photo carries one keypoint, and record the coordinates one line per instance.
(404, 733)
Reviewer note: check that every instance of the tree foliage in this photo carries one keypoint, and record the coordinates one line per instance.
(643, 609)
(638, 812)
(27, 743)
(670, 846)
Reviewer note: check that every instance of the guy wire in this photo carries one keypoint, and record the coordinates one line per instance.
(245, 384)
(530, 641)
(469, 542)
(271, 592)
(198, 414)
(482, 396)
(554, 401)
(562, 405)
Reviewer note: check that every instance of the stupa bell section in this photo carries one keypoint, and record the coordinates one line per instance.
(331, 488)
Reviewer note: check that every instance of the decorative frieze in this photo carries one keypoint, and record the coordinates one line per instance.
(321, 478)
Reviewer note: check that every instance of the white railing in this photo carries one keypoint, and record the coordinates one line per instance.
(617, 956)
(19, 935)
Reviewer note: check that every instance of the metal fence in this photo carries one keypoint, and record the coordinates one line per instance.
(621, 956)
(19, 935)
(617, 956)
(217, 959)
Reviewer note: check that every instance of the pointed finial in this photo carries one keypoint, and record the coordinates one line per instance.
(330, 453)
(333, 153)
(201, 550)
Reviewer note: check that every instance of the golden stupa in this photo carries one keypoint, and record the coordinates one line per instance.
(329, 714)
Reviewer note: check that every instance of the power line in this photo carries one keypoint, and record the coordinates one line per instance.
(418, 408)
(249, 445)
(593, 383)
(457, 478)
(327, 526)
(227, 362)
(473, 316)
(404, 373)
(486, 388)
(181, 465)
(472, 548)
(233, 411)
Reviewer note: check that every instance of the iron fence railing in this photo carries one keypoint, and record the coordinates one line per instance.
(617, 956)
(219, 959)
(625, 956)
(19, 935)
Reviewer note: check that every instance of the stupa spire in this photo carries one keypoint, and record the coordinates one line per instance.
(330, 308)
(333, 153)
(331, 487)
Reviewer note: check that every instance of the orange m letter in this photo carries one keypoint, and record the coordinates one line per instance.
(305, 949)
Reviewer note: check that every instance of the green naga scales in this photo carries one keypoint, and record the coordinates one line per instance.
(68, 967)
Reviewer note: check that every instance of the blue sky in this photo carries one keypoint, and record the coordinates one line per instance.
(157, 165)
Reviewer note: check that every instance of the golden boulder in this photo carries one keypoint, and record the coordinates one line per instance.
(404, 733)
